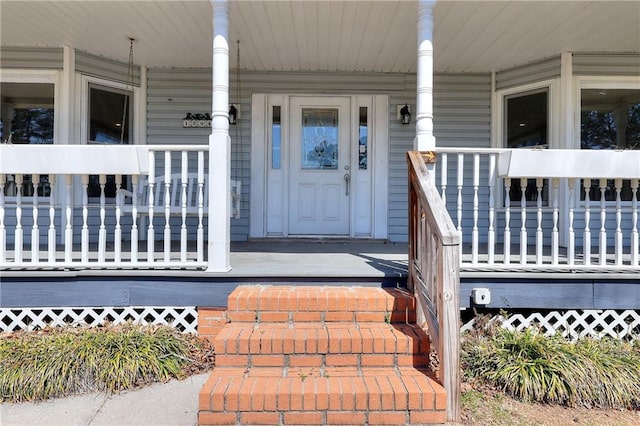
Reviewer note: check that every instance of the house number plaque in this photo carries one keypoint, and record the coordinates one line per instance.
(196, 120)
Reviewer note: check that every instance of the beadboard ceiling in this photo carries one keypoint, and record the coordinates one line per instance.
(469, 36)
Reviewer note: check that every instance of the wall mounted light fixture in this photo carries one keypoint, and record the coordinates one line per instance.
(233, 114)
(405, 114)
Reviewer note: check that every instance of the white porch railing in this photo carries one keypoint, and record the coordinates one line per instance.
(584, 220)
(80, 215)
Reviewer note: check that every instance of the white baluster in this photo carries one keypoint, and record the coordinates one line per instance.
(460, 182)
(603, 220)
(102, 232)
(571, 251)
(19, 232)
(618, 235)
(507, 221)
(555, 241)
(134, 218)
(167, 206)
(117, 233)
(443, 176)
(491, 235)
(539, 239)
(150, 200)
(200, 232)
(84, 234)
(35, 231)
(474, 231)
(523, 219)
(634, 226)
(68, 230)
(51, 234)
(586, 239)
(3, 230)
(183, 197)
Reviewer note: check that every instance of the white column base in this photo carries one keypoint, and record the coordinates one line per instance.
(219, 232)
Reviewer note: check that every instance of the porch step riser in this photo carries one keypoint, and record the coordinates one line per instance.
(317, 339)
(328, 304)
(376, 395)
(268, 316)
(322, 361)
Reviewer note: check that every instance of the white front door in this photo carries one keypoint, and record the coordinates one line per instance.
(320, 166)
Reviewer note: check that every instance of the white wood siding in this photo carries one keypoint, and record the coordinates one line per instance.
(171, 94)
(462, 118)
(98, 66)
(190, 91)
(599, 64)
(31, 57)
(530, 73)
(462, 111)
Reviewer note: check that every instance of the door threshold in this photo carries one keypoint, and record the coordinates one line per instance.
(316, 239)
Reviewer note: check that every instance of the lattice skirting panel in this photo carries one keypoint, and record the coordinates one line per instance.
(183, 318)
(574, 324)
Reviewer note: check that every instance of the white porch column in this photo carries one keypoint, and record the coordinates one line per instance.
(219, 145)
(425, 141)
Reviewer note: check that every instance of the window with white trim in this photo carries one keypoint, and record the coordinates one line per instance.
(27, 117)
(610, 119)
(526, 125)
(110, 116)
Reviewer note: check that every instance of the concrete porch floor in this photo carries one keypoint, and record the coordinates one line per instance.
(318, 258)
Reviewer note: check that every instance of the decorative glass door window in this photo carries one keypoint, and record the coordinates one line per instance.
(363, 138)
(276, 137)
(319, 139)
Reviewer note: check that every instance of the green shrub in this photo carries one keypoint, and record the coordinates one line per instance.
(535, 367)
(59, 362)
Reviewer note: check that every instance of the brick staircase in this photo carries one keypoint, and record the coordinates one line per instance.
(321, 355)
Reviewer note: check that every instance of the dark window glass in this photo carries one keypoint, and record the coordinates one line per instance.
(110, 116)
(609, 119)
(527, 126)
(27, 117)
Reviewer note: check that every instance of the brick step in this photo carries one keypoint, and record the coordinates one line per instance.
(321, 396)
(317, 344)
(326, 304)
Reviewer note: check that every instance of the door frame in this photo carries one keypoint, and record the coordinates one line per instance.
(268, 215)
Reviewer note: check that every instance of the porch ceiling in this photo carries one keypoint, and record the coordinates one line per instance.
(470, 36)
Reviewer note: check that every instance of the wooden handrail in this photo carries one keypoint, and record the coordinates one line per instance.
(434, 275)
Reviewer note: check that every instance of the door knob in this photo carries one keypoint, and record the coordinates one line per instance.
(347, 179)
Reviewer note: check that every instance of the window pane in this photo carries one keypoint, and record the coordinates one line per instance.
(109, 116)
(363, 135)
(609, 119)
(276, 138)
(27, 118)
(527, 120)
(526, 126)
(27, 113)
(320, 138)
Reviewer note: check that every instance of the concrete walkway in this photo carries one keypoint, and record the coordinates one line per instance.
(172, 403)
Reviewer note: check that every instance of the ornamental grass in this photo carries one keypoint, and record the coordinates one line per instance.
(59, 362)
(533, 367)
